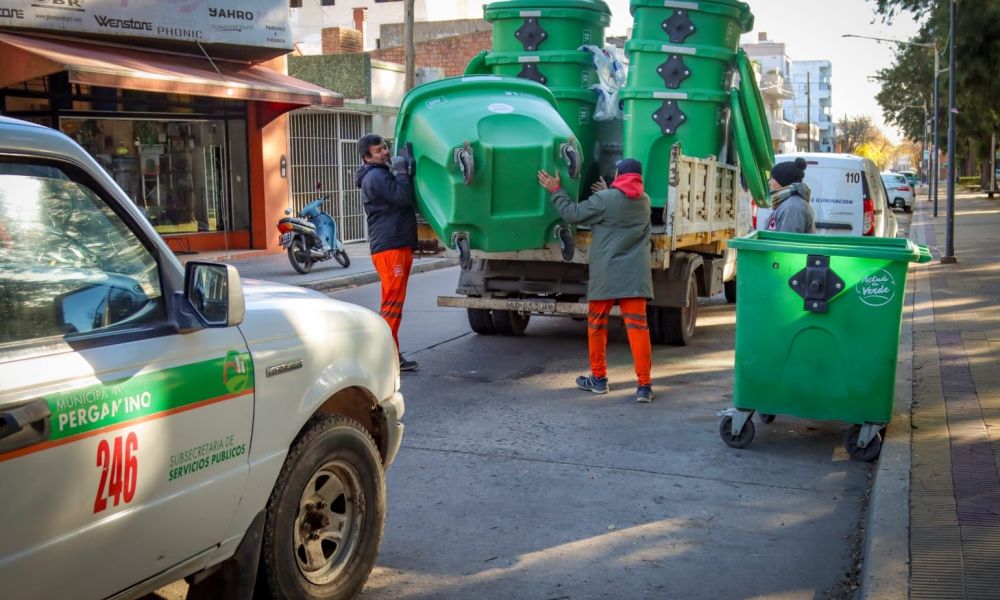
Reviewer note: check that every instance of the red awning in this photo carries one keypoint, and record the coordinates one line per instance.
(27, 57)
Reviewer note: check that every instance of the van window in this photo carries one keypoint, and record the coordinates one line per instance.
(68, 264)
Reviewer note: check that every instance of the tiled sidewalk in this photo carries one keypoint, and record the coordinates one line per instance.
(955, 487)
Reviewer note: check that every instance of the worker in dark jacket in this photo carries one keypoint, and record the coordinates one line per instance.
(620, 273)
(392, 227)
(790, 208)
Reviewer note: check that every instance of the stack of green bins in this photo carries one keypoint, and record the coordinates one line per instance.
(540, 40)
(817, 332)
(680, 57)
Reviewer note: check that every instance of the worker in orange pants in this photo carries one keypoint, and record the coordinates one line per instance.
(393, 267)
(634, 315)
(619, 263)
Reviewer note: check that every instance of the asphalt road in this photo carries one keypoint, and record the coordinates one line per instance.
(511, 483)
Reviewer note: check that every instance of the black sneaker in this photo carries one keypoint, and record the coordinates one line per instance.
(407, 365)
(597, 385)
(644, 394)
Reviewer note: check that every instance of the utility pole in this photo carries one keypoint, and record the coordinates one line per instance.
(937, 151)
(809, 113)
(411, 77)
(949, 250)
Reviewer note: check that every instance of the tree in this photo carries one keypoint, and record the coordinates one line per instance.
(877, 148)
(853, 132)
(910, 80)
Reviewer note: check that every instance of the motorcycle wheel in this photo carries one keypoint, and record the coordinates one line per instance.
(342, 257)
(298, 255)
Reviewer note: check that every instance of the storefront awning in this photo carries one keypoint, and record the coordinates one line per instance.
(27, 57)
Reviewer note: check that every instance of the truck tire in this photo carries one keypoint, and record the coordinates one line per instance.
(326, 514)
(654, 320)
(730, 288)
(679, 323)
(481, 321)
(510, 322)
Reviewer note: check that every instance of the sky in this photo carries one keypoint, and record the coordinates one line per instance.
(811, 30)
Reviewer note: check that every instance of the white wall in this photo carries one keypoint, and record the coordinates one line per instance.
(311, 18)
(820, 103)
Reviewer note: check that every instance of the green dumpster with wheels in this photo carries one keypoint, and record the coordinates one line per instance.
(817, 332)
(711, 23)
(477, 144)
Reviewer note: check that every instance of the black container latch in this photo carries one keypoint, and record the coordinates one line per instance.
(678, 27)
(673, 71)
(816, 284)
(669, 117)
(530, 71)
(531, 34)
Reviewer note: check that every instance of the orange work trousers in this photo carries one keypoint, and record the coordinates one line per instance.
(634, 314)
(393, 267)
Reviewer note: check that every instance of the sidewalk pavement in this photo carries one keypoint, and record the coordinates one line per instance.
(326, 275)
(933, 527)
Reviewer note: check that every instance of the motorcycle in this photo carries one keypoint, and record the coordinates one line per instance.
(311, 237)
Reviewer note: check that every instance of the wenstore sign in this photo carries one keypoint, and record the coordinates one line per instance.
(238, 22)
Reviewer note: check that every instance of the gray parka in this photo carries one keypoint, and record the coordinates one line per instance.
(619, 248)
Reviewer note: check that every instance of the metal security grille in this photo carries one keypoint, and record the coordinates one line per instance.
(323, 151)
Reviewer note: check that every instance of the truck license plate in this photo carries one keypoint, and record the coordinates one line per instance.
(542, 306)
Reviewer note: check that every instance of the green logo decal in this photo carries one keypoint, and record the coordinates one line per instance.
(877, 289)
(108, 404)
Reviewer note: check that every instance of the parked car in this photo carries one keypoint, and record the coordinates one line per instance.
(160, 421)
(899, 191)
(911, 178)
(848, 197)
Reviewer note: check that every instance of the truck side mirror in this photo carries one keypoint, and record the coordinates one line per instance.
(215, 293)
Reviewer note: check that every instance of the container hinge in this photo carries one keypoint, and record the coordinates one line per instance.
(530, 71)
(678, 27)
(674, 71)
(531, 34)
(816, 283)
(463, 158)
(669, 117)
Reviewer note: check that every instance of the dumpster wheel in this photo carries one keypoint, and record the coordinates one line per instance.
(866, 454)
(741, 440)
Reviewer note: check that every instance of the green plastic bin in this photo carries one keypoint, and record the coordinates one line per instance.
(654, 120)
(657, 64)
(477, 144)
(817, 331)
(554, 69)
(707, 23)
(531, 25)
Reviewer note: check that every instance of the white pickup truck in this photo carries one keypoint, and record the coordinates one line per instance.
(160, 422)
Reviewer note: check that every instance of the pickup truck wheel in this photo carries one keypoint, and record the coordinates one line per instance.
(481, 320)
(326, 514)
(680, 322)
(510, 322)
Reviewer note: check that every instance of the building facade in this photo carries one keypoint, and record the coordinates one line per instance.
(773, 69)
(813, 100)
(182, 103)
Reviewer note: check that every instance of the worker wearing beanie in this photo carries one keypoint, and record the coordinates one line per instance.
(790, 208)
(620, 273)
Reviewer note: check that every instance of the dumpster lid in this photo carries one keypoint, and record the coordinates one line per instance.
(754, 174)
(898, 249)
(732, 8)
(660, 47)
(598, 6)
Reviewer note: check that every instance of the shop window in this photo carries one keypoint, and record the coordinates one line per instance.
(180, 173)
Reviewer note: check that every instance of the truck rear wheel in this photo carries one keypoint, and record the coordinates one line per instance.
(481, 321)
(679, 323)
(326, 514)
(510, 322)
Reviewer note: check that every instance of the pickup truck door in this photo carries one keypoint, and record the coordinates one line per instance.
(123, 443)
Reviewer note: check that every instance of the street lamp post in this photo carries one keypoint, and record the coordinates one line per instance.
(949, 246)
(932, 46)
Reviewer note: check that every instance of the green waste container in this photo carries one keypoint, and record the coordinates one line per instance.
(477, 145)
(531, 25)
(555, 69)
(669, 66)
(817, 332)
(708, 23)
(654, 120)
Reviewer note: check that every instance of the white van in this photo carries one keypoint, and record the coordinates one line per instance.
(848, 196)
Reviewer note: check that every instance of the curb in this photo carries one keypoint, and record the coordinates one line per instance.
(345, 281)
(885, 573)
